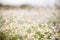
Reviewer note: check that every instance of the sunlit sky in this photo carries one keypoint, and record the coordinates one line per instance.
(29, 2)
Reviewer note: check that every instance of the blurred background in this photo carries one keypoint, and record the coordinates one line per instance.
(29, 19)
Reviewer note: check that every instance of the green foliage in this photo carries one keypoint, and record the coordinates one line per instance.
(2, 36)
(25, 6)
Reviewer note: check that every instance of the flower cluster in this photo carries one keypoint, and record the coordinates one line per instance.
(18, 27)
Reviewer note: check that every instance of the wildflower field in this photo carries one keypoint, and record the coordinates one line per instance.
(33, 24)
